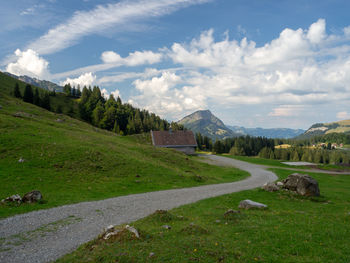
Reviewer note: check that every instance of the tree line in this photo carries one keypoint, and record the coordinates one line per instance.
(33, 97)
(110, 114)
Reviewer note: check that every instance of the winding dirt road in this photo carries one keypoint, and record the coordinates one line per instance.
(46, 235)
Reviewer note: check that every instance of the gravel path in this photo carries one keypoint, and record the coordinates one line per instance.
(46, 235)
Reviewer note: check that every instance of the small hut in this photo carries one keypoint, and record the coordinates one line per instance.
(183, 141)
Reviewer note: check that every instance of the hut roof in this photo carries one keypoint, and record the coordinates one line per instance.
(173, 138)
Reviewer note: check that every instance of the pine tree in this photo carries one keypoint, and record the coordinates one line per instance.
(16, 91)
(45, 101)
(28, 94)
(36, 98)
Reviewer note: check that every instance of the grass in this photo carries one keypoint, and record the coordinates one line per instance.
(71, 161)
(292, 229)
(67, 104)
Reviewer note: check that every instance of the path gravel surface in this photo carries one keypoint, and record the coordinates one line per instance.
(46, 235)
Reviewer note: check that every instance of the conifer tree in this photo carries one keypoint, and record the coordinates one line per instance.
(36, 98)
(28, 94)
(16, 91)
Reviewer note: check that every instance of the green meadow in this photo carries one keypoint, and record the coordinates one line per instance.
(292, 229)
(70, 161)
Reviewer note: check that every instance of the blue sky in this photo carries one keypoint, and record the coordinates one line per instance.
(258, 63)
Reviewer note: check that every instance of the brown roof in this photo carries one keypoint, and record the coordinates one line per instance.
(173, 138)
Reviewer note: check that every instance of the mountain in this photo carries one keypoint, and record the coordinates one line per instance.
(285, 133)
(48, 85)
(326, 128)
(207, 124)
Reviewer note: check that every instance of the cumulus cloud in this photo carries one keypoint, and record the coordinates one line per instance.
(134, 59)
(87, 79)
(162, 95)
(29, 63)
(300, 67)
(115, 93)
(343, 115)
(103, 17)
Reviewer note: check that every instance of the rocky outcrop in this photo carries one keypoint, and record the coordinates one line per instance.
(32, 197)
(302, 184)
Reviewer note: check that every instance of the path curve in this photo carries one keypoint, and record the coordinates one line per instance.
(57, 231)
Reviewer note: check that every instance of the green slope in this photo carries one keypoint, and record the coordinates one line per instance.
(327, 128)
(70, 161)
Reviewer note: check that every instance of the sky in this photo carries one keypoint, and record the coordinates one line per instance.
(256, 63)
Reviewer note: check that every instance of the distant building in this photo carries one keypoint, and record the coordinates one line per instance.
(183, 141)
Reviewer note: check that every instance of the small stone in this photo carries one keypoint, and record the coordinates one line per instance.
(279, 184)
(59, 120)
(231, 211)
(109, 228)
(270, 187)
(137, 181)
(21, 160)
(217, 221)
(248, 204)
(132, 230)
(32, 197)
(13, 198)
(151, 254)
(166, 227)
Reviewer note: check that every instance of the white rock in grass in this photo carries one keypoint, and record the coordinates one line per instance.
(132, 230)
(248, 204)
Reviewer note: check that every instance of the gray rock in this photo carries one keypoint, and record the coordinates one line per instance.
(270, 187)
(32, 197)
(151, 254)
(217, 221)
(249, 204)
(133, 230)
(279, 184)
(166, 227)
(231, 211)
(303, 184)
(13, 198)
(59, 120)
(21, 160)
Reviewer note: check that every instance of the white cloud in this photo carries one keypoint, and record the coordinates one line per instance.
(104, 17)
(161, 95)
(115, 93)
(317, 31)
(29, 63)
(286, 111)
(87, 79)
(343, 115)
(300, 67)
(134, 59)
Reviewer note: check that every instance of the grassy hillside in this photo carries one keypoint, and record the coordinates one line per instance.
(70, 161)
(292, 229)
(68, 105)
(326, 128)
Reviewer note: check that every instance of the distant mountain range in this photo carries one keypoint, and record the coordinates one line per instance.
(209, 125)
(326, 128)
(285, 133)
(48, 85)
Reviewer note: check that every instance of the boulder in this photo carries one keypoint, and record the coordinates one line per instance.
(303, 184)
(270, 187)
(13, 198)
(249, 204)
(32, 197)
